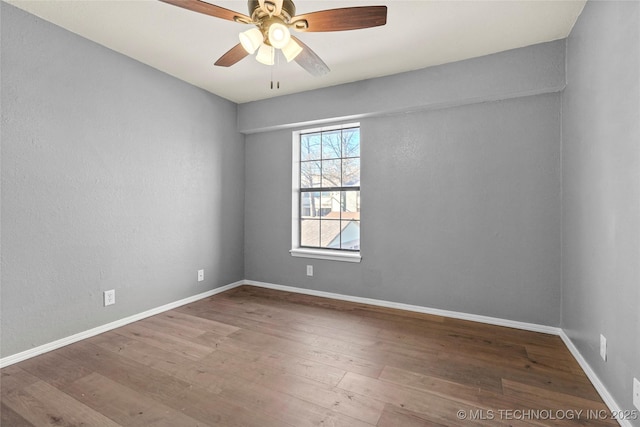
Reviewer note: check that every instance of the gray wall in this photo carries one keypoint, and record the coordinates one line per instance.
(601, 192)
(520, 72)
(461, 205)
(114, 176)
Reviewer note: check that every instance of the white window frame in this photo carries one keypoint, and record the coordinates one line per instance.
(296, 250)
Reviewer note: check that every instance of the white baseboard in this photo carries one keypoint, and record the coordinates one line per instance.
(600, 388)
(27, 354)
(415, 308)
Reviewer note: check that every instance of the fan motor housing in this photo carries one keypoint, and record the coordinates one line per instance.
(288, 8)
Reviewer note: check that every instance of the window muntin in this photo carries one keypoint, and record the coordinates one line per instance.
(329, 193)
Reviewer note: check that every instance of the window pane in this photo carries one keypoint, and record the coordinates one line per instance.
(310, 232)
(351, 143)
(332, 173)
(351, 173)
(330, 234)
(350, 235)
(310, 174)
(310, 146)
(350, 205)
(330, 205)
(310, 205)
(331, 144)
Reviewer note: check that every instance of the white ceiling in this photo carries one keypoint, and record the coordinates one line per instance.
(418, 34)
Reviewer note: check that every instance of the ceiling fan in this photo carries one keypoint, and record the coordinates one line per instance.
(273, 20)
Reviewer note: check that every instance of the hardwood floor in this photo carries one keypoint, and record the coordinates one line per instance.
(257, 357)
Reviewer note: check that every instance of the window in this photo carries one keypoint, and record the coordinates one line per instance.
(326, 197)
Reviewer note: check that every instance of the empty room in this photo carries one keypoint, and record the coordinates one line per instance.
(320, 213)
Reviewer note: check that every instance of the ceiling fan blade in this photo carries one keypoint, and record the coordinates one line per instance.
(233, 55)
(348, 18)
(210, 9)
(310, 61)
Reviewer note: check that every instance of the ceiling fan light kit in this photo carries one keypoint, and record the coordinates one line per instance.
(251, 40)
(274, 20)
(266, 54)
(291, 50)
(278, 35)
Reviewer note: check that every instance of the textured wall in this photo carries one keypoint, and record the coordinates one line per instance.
(601, 192)
(461, 211)
(519, 72)
(114, 176)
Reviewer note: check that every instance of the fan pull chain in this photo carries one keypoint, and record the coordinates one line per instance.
(274, 66)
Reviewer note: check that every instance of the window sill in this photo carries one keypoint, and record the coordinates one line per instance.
(326, 254)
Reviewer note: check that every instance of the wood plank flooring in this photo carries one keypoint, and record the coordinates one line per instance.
(257, 357)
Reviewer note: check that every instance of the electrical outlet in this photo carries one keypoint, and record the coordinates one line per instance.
(109, 297)
(200, 275)
(309, 270)
(636, 393)
(603, 347)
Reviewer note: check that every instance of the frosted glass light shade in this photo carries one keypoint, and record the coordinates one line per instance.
(279, 35)
(251, 40)
(266, 54)
(291, 50)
